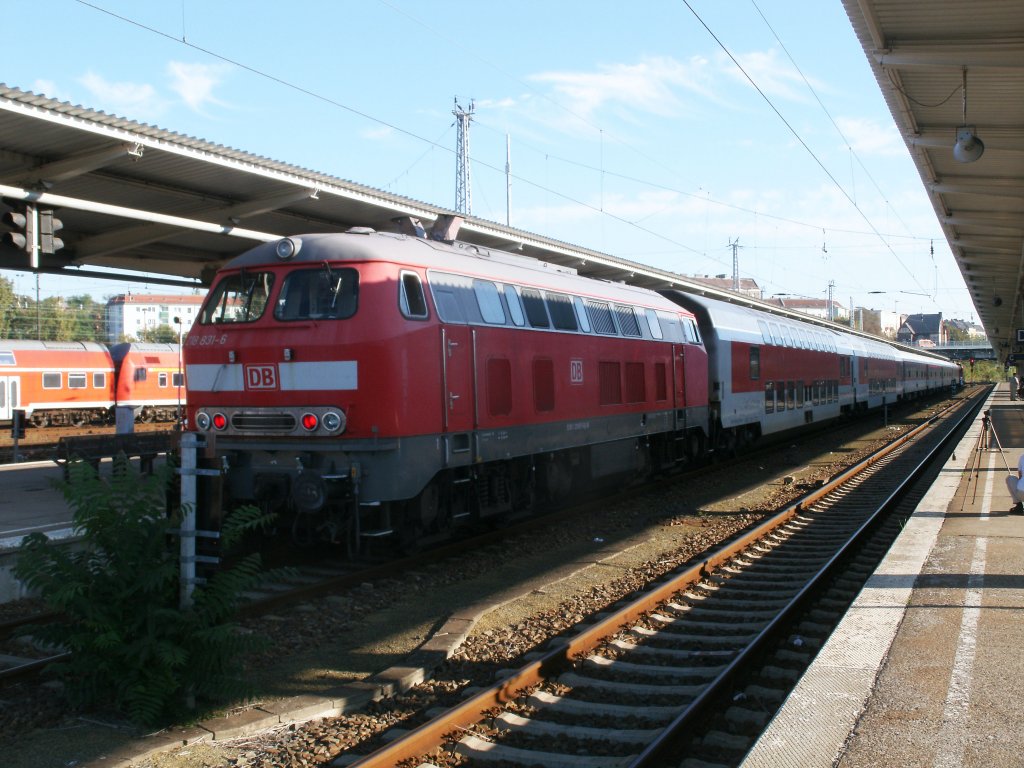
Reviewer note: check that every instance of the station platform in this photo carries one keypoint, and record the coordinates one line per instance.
(927, 666)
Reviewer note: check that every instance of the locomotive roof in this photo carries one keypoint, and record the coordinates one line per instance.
(363, 244)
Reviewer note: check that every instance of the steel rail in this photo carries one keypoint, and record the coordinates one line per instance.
(430, 735)
(695, 709)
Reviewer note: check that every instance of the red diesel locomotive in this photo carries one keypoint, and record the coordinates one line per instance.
(371, 383)
(367, 384)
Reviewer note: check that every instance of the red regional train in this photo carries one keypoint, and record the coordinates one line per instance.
(72, 383)
(370, 384)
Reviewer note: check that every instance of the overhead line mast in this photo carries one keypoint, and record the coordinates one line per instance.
(463, 193)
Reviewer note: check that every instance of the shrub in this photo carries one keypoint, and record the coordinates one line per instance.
(131, 647)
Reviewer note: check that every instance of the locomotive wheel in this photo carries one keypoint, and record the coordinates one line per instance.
(695, 446)
(305, 531)
(726, 443)
(425, 509)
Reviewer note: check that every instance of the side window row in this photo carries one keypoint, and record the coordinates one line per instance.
(782, 335)
(55, 379)
(782, 396)
(463, 300)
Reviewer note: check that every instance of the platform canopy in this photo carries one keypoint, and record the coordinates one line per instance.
(923, 52)
(139, 198)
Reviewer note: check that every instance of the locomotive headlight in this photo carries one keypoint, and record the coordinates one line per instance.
(310, 421)
(220, 421)
(203, 421)
(332, 421)
(287, 248)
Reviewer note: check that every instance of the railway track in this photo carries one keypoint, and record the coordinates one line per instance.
(691, 672)
(323, 577)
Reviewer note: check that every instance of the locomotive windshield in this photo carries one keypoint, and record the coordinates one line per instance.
(238, 298)
(327, 293)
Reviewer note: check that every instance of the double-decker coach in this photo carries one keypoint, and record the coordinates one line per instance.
(768, 373)
(56, 382)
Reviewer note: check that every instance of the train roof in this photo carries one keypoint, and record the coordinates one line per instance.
(51, 346)
(365, 244)
(739, 322)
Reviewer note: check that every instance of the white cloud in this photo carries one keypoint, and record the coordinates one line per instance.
(650, 85)
(136, 101)
(505, 103)
(870, 137)
(773, 76)
(47, 88)
(378, 133)
(195, 83)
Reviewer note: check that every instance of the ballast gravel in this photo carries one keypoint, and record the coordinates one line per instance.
(347, 637)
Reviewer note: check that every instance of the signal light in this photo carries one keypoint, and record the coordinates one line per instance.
(48, 225)
(220, 421)
(309, 421)
(21, 220)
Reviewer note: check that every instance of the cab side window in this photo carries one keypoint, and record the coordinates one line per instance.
(411, 299)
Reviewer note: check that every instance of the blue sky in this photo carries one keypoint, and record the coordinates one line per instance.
(634, 128)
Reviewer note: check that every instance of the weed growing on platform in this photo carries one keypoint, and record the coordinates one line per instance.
(131, 647)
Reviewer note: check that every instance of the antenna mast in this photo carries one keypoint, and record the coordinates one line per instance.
(463, 193)
(735, 245)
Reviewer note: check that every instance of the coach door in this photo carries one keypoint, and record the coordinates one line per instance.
(458, 389)
(8, 396)
(679, 383)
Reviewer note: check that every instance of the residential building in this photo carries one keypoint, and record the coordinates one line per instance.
(129, 314)
(880, 322)
(814, 308)
(923, 330)
(748, 286)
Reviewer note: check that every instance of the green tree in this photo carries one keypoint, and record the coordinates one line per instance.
(8, 307)
(131, 645)
(162, 333)
(957, 334)
(57, 323)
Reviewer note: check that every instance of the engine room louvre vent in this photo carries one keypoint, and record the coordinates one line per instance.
(278, 422)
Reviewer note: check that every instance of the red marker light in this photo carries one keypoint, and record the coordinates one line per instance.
(309, 421)
(220, 421)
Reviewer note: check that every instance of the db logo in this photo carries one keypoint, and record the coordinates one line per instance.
(260, 377)
(576, 371)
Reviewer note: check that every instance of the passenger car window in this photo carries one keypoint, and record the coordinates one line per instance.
(238, 298)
